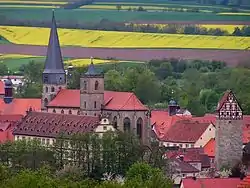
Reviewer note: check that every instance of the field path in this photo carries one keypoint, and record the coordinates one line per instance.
(232, 57)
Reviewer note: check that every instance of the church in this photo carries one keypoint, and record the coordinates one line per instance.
(123, 109)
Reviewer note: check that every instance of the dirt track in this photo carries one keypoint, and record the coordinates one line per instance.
(232, 57)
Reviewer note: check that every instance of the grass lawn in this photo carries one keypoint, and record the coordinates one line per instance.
(92, 15)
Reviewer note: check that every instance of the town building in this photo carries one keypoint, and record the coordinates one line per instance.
(229, 131)
(123, 109)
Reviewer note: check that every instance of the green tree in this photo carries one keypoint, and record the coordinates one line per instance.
(3, 69)
(114, 81)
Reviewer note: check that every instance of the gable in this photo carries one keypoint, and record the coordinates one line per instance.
(228, 100)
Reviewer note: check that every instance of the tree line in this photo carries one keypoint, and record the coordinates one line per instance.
(81, 160)
(107, 25)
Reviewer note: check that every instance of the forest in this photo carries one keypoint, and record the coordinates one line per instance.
(111, 161)
(195, 84)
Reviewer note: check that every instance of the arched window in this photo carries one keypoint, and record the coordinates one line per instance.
(62, 111)
(85, 104)
(126, 124)
(46, 102)
(85, 85)
(46, 89)
(96, 85)
(139, 125)
(95, 104)
(78, 112)
(70, 112)
(54, 110)
(52, 89)
(115, 122)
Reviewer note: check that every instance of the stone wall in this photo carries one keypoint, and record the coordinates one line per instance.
(228, 138)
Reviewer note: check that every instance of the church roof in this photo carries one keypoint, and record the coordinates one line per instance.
(54, 62)
(91, 70)
(112, 100)
(51, 124)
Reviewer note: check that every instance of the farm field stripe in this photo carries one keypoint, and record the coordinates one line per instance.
(231, 57)
(113, 39)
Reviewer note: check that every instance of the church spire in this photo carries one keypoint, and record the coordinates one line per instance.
(54, 62)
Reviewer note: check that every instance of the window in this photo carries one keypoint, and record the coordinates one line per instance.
(54, 110)
(17, 137)
(46, 102)
(186, 145)
(139, 128)
(192, 145)
(85, 104)
(126, 124)
(104, 127)
(115, 122)
(85, 85)
(210, 129)
(43, 141)
(95, 104)
(62, 111)
(23, 138)
(52, 89)
(70, 112)
(174, 145)
(96, 85)
(47, 141)
(180, 145)
(78, 112)
(45, 78)
(46, 89)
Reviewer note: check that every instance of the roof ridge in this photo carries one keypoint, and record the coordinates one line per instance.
(126, 101)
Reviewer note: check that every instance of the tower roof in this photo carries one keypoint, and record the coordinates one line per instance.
(54, 62)
(91, 70)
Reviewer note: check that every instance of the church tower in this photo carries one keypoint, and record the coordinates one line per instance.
(228, 136)
(92, 92)
(8, 91)
(54, 77)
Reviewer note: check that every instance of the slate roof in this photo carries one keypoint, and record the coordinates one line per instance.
(51, 124)
(186, 131)
(113, 100)
(19, 106)
(210, 182)
(182, 166)
(54, 61)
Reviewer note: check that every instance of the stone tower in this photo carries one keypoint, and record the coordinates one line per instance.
(54, 77)
(8, 91)
(92, 92)
(228, 136)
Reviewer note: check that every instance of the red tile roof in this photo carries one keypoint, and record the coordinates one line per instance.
(1, 87)
(113, 100)
(185, 131)
(191, 155)
(19, 106)
(51, 125)
(209, 148)
(245, 183)
(210, 182)
(162, 121)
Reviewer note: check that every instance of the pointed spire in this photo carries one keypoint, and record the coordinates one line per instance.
(54, 62)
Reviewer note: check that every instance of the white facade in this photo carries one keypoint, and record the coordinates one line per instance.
(208, 134)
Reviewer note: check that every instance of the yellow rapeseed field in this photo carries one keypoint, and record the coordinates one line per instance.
(15, 56)
(235, 13)
(112, 39)
(123, 7)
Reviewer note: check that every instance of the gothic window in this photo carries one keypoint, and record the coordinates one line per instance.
(46, 89)
(46, 102)
(95, 104)
(70, 112)
(85, 85)
(54, 110)
(126, 124)
(139, 127)
(115, 122)
(85, 104)
(62, 111)
(52, 89)
(96, 85)
(78, 112)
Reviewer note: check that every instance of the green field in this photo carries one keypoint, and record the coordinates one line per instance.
(83, 15)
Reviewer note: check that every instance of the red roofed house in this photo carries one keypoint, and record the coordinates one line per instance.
(1, 89)
(210, 182)
(123, 109)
